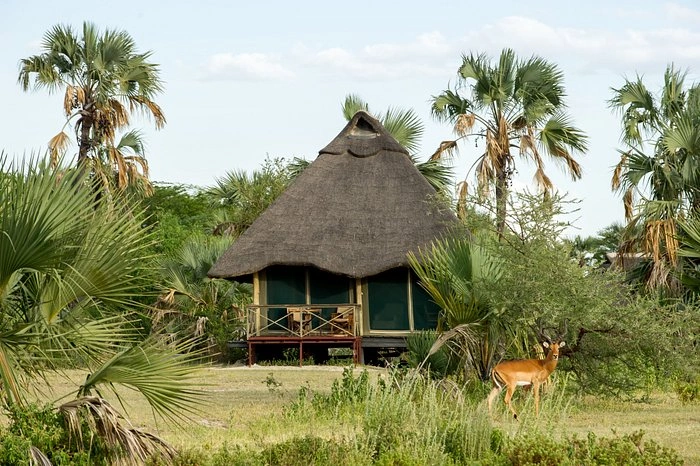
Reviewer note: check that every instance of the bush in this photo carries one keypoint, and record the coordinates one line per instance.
(312, 451)
(688, 392)
(43, 428)
(536, 448)
(419, 344)
(628, 450)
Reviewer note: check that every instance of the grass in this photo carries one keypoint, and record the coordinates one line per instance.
(245, 407)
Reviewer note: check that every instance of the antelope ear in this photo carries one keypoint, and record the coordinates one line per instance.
(562, 344)
(545, 344)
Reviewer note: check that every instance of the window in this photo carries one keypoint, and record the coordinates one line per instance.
(285, 285)
(425, 311)
(388, 300)
(328, 288)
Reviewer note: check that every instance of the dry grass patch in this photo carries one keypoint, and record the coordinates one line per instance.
(245, 406)
(664, 419)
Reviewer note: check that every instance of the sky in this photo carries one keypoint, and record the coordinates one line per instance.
(246, 81)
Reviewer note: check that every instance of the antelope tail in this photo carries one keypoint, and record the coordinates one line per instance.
(497, 380)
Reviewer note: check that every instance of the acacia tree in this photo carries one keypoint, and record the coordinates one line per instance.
(104, 80)
(658, 168)
(514, 105)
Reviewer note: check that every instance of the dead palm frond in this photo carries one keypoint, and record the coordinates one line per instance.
(38, 458)
(92, 416)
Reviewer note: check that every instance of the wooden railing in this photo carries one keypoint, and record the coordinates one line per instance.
(303, 320)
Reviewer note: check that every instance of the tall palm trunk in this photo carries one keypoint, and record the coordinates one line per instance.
(85, 143)
(501, 198)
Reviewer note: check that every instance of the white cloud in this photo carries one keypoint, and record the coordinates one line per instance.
(433, 54)
(425, 56)
(245, 66)
(676, 12)
(619, 51)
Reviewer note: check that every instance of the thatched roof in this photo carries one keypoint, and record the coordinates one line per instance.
(357, 210)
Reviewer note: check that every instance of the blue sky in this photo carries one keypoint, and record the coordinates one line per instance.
(247, 80)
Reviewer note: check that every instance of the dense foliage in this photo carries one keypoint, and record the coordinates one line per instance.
(71, 268)
(497, 293)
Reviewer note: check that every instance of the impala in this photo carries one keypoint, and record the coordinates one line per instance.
(526, 372)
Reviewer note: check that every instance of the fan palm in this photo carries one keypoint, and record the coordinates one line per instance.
(104, 80)
(405, 126)
(457, 274)
(514, 105)
(196, 304)
(70, 269)
(244, 197)
(658, 169)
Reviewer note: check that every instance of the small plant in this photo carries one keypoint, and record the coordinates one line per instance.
(631, 450)
(272, 383)
(35, 430)
(311, 450)
(419, 345)
(536, 448)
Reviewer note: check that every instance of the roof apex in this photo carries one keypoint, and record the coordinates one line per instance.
(363, 136)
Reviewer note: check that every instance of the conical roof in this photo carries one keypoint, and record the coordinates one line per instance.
(357, 210)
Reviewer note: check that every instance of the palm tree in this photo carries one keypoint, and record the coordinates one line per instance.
(513, 105)
(240, 197)
(658, 169)
(458, 274)
(405, 126)
(193, 304)
(104, 80)
(592, 250)
(71, 269)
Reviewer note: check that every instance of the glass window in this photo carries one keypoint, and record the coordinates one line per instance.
(425, 311)
(328, 288)
(388, 300)
(285, 285)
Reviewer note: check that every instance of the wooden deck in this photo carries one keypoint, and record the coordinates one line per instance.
(300, 325)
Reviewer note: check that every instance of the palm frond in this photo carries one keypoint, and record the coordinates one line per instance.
(353, 103)
(125, 444)
(405, 126)
(160, 372)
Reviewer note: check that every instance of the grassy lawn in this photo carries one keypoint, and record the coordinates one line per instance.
(245, 406)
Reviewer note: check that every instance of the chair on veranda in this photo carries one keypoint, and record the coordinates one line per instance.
(343, 321)
(298, 321)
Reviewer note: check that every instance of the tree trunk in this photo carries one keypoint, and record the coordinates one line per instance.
(501, 199)
(84, 142)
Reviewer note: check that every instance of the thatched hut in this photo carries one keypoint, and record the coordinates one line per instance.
(328, 259)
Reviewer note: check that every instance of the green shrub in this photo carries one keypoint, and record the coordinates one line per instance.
(535, 448)
(688, 392)
(312, 451)
(629, 450)
(347, 392)
(43, 429)
(236, 456)
(409, 455)
(419, 344)
(14, 449)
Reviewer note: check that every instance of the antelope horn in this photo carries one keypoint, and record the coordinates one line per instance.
(539, 330)
(562, 334)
